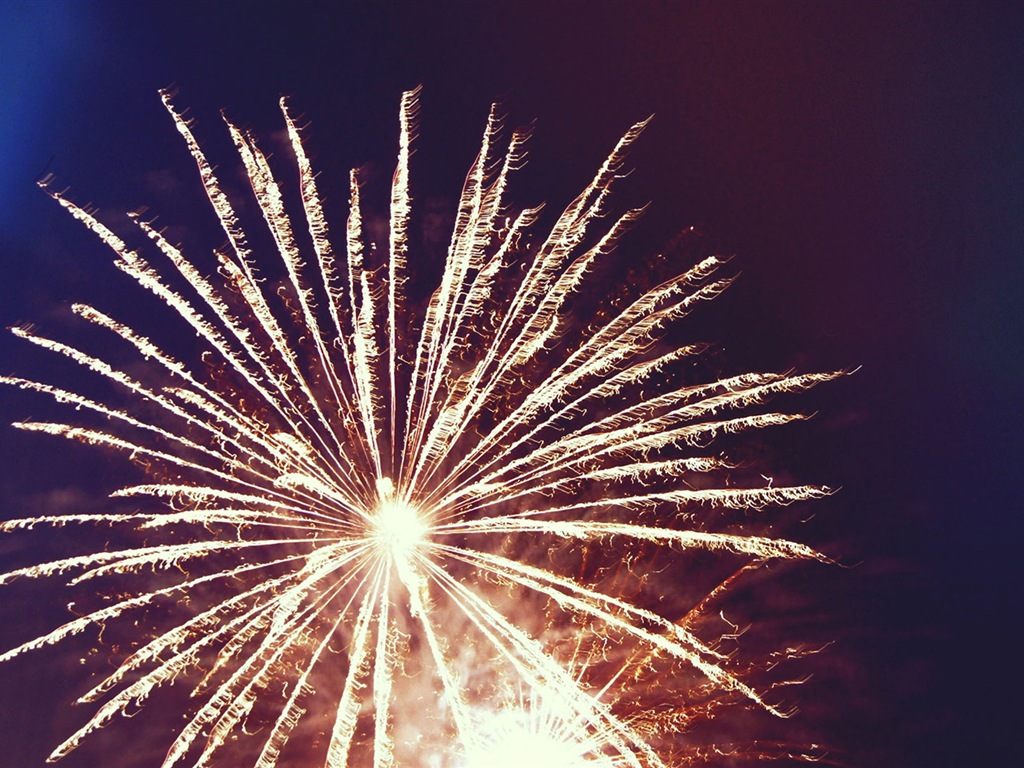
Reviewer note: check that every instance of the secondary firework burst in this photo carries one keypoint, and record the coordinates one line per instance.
(411, 534)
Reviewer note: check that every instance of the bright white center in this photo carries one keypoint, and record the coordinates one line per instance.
(529, 750)
(517, 740)
(398, 527)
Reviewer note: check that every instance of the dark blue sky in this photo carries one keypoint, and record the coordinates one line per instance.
(863, 160)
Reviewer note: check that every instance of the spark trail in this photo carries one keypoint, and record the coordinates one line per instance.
(358, 513)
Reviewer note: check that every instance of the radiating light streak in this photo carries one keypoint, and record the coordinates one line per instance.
(353, 508)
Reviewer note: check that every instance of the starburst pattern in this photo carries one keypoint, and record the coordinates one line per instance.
(367, 504)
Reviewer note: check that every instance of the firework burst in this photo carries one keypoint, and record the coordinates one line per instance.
(413, 535)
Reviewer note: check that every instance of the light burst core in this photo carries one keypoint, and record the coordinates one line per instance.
(398, 527)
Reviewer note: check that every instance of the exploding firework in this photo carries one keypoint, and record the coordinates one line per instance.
(378, 530)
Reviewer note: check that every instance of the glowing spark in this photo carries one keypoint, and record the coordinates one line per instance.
(373, 520)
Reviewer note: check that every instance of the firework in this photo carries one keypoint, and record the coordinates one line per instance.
(411, 534)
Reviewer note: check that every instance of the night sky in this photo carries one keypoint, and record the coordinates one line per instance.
(865, 163)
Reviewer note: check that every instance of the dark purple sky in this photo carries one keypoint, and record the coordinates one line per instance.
(864, 161)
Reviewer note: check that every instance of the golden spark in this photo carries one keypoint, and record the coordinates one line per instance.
(377, 518)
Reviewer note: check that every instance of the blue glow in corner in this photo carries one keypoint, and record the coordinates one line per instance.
(40, 42)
